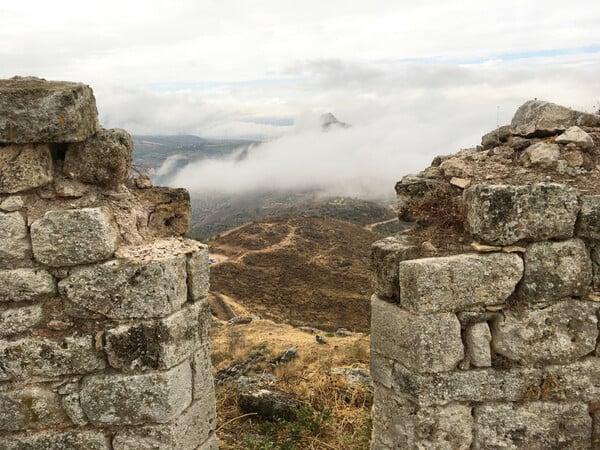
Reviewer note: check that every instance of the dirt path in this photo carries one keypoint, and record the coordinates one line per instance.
(373, 225)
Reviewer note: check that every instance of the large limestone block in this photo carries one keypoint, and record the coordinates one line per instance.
(198, 274)
(156, 397)
(386, 255)
(430, 343)
(19, 320)
(536, 425)
(503, 214)
(103, 159)
(18, 285)
(159, 344)
(554, 270)
(187, 431)
(56, 440)
(14, 235)
(588, 225)
(36, 110)
(47, 358)
(539, 118)
(541, 154)
(30, 407)
(575, 135)
(458, 282)
(400, 425)
(24, 167)
(74, 236)
(558, 334)
(204, 388)
(476, 385)
(122, 289)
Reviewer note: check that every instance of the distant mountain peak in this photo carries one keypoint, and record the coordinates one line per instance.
(329, 121)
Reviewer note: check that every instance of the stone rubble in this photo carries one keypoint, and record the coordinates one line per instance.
(104, 316)
(495, 345)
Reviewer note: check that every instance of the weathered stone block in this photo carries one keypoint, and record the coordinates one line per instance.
(204, 389)
(155, 397)
(198, 274)
(452, 283)
(430, 343)
(187, 431)
(55, 440)
(74, 236)
(398, 424)
(386, 255)
(103, 159)
(596, 267)
(24, 167)
(588, 225)
(36, 110)
(381, 369)
(558, 334)
(122, 289)
(30, 407)
(14, 236)
(478, 338)
(554, 270)
(12, 203)
(18, 320)
(19, 285)
(48, 358)
(159, 344)
(537, 118)
(476, 385)
(575, 135)
(541, 154)
(72, 407)
(170, 210)
(536, 425)
(577, 381)
(503, 215)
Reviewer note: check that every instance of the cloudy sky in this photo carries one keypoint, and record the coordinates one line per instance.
(415, 79)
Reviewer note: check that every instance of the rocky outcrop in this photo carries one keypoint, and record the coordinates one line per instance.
(103, 304)
(496, 347)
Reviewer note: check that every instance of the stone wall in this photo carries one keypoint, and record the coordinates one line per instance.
(495, 348)
(104, 314)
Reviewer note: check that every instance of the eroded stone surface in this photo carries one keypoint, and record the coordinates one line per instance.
(14, 236)
(29, 408)
(575, 135)
(558, 334)
(539, 118)
(74, 236)
(541, 154)
(123, 289)
(170, 210)
(46, 358)
(554, 270)
(56, 440)
(24, 167)
(19, 285)
(476, 385)
(19, 320)
(386, 255)
(457, 282)
(588, 225)
(430, 343)
(159, 344)
(36, 110)
(103, 159)
(156, 397)
(503, 214)
(577, 381)
(198, 274)
(478, 338)
(540, 425)
(12, 203)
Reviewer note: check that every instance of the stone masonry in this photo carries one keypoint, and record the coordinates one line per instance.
(104, 315)
(496, 347)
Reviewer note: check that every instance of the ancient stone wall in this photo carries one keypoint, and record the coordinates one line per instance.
(496, 347)
(104, 315)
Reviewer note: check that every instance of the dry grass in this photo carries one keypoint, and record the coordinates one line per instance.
(333, 415)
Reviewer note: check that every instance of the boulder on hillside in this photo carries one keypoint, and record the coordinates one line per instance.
(537, 118)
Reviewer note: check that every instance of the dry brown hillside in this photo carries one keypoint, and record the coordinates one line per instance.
(298, 270)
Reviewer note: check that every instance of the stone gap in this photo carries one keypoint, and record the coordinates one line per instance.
(103, 303)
